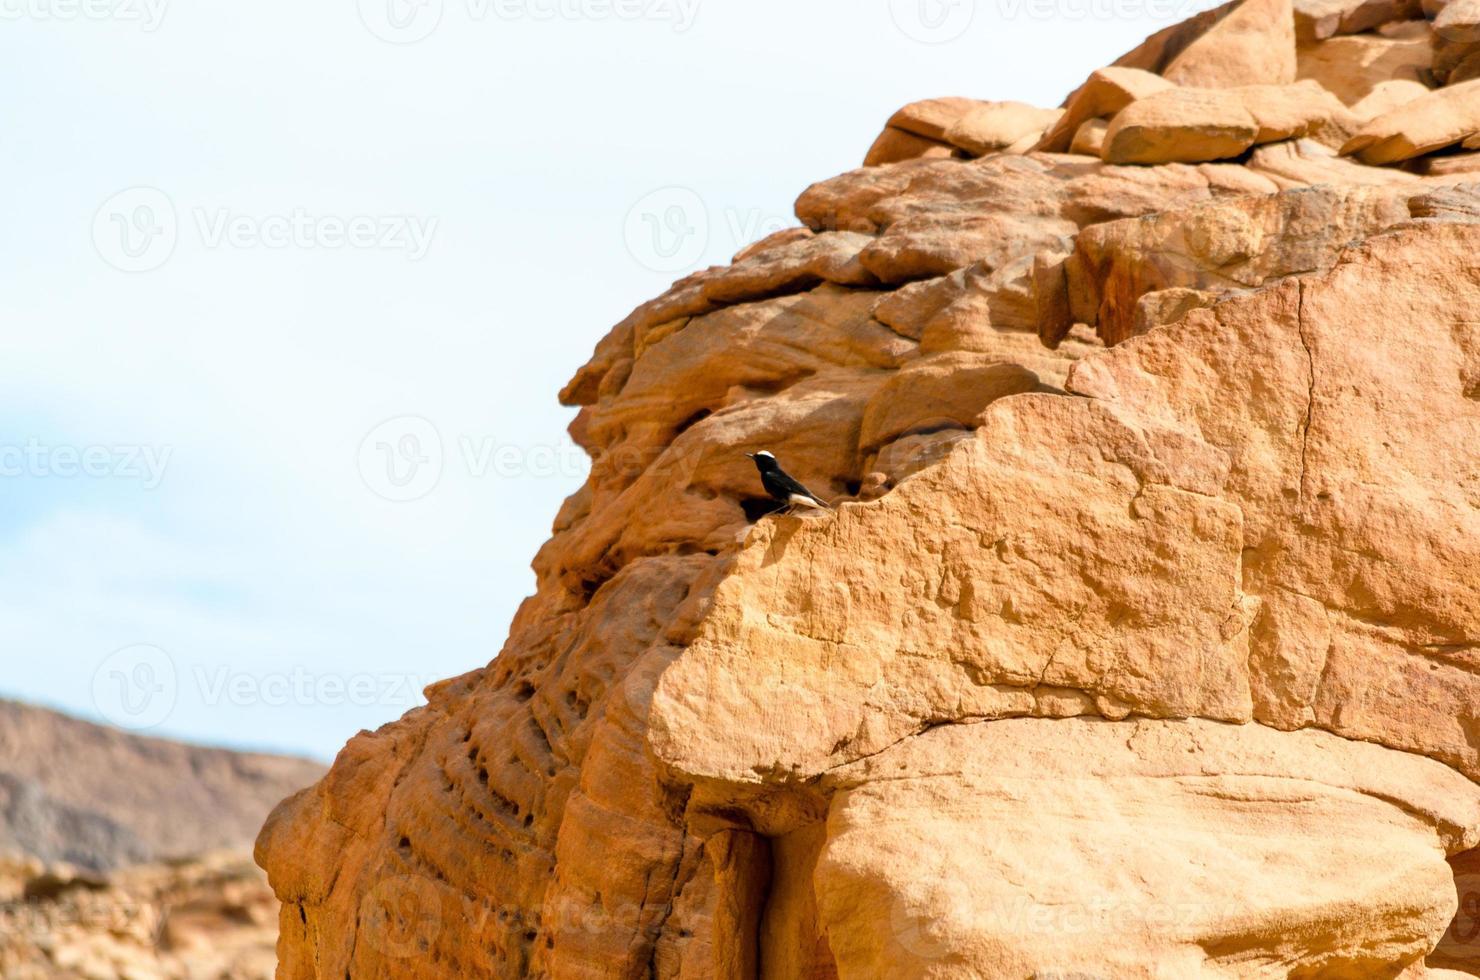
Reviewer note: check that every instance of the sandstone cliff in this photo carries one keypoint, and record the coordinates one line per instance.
(1145, 641)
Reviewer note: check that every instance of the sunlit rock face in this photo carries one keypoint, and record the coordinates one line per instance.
(1144, 639)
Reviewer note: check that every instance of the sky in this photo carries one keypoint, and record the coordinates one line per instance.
(289, 289)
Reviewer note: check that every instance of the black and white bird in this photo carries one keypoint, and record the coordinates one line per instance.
(783, 488)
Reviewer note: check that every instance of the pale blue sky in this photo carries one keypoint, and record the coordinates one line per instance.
(195, 535)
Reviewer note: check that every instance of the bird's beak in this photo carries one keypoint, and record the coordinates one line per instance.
(750, 455)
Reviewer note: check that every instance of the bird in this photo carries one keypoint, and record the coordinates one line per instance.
(782, 487)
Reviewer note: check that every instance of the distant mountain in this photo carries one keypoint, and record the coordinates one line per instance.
(101, 798)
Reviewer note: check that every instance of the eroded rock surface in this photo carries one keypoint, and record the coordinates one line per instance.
(1144, 640)
(206, 918)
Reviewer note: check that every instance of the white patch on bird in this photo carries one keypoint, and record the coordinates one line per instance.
(797, 500)
(765, 454)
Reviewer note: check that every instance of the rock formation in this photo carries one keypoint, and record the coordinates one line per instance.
(126, 857)
(206, 918)
(92, 796)
(1144, 641)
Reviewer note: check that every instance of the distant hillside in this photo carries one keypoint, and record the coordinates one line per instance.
(102, 798)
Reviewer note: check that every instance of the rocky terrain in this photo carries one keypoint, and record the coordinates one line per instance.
(206, 918)
(128, 857)
(95, 797)
(1144, 640)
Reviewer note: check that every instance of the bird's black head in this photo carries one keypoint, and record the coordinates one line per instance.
(764, 461)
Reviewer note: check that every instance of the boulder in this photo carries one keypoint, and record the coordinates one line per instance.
(894, 145)
(1294, 111)
(791, 266)
(1089, 138)
(930, 118)
(1436, 121)
(995, 126)
(1185, 125)
(1352, 67)
(1316, 20)
(1253, 45)
(1459, 22)
(936, 861)
(1105, 93)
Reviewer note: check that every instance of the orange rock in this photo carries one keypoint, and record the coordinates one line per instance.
(1186, 125)
(1156, 533)
(1194, 125)
(1253, 45)
(1294, 111)
(1105, 93)
(1441, 119)
(1352, 68)
(894, 145)
(1089, 138)
(1206, 815)
(791, 266)
(998, 125)
(1459, 21)
(1303, 163)
(1241, 243)
(1317, 20)
(931, 118)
